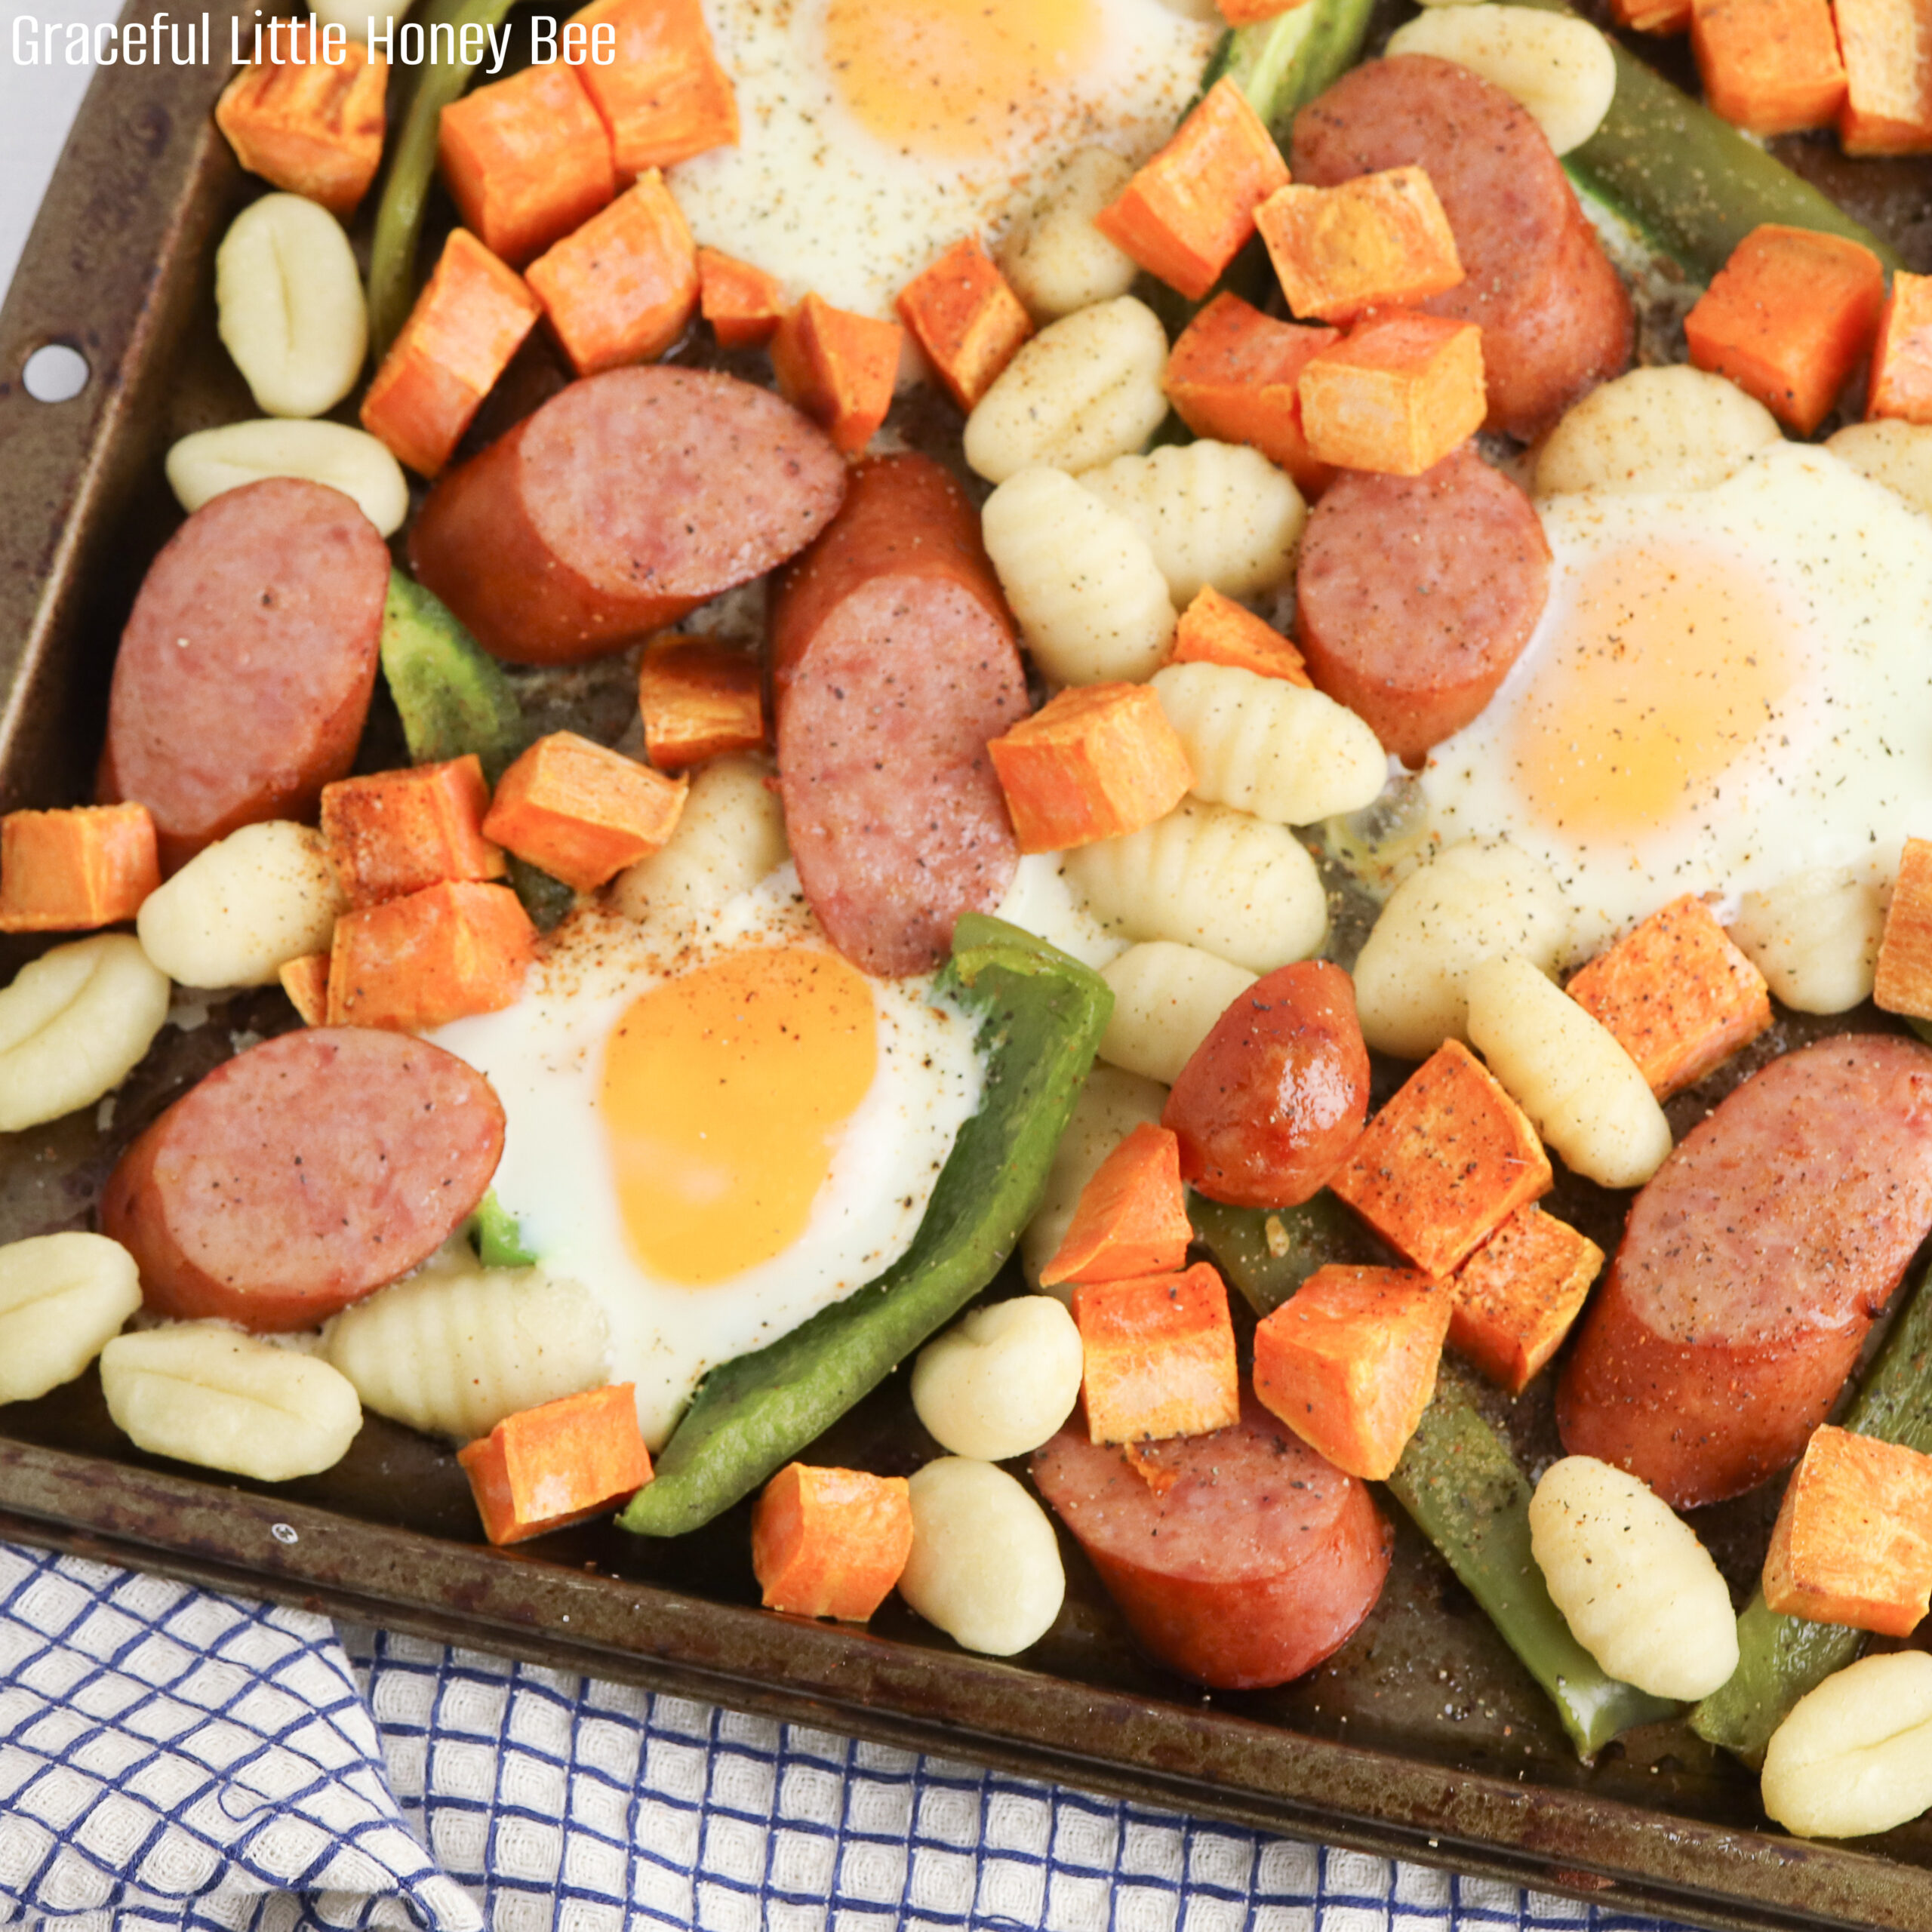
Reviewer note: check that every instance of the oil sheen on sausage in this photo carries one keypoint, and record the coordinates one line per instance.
(1751, 1267)
(893, 662)
(302, 1174)
(1256, 1559)
(245, 670)
(626, 500)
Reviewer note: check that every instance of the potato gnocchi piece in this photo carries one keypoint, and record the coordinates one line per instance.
(1054, 258)
(1210, 876)
(1212, 513)
(1655, 429)
(1166, 998)
(1001, 1379)
(1855, 1755)
(1086, 388)
(1278, 750)
(62, 1299)
(1567, 1071)
(73, 1025)
(985, 1566)
(455, 1348)
(202, 1393)
(1469, 903)
(730, 834)
(1896, 454)
(202, 466)
(1638, 1590)
(1557, 66)
(1815, 937)
(1092, 604)
(1111, 1105)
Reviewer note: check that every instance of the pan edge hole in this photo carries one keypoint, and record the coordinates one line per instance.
(55, 373)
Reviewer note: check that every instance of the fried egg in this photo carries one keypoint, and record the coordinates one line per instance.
(719, 1131)
(874, 133)
(1726, 688)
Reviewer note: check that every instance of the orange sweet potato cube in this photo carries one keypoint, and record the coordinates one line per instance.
(305, 981)
(830, 1542)
(1349, 1362)
(1214, 629)
(839, 367)
(1235, 374)
(1514, 1300)
(743, 305)
(1096, 761)
(962, 315)
(1185, 214)
(1852, 1543)
(470, 319)
(308, 128)
(1769, 65)
(1904, 983)
(1445, 1163)
(1131, 1218)
(1397, 395)
(1247, 13)
(1379, 240)
(547, 1468)
(1902, 357)
(1160, 1356)
(622, 287)
(76, 870)
(663, 97)
(1678, 995)
(1887, 48)
(393, 833)
(1652, 16)
(1787, 318)
(526, 160)
(439, 954)
(582, 812)
(698, 699)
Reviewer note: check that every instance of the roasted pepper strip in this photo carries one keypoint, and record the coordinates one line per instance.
(1283, 63)
(1268, 1253)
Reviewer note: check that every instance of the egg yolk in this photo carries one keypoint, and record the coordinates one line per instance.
(1670, 661)
(946, 78)
(723, 1097)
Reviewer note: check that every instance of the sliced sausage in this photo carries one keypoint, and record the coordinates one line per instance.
(893, 662)
(1255, 1558)
(1751, 1268)
(1555, 319)
(302, 1174)
(245, 670)
(1416, 595)
(626, 500)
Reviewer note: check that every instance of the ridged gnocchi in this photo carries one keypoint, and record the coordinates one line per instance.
(730, 834)
(1896, 454)
(1638, 1590)
(1815, 937)
(74, 1024)
(1110, 1105)
(1055, 259)
(1278, 750)
(1166, 998)
(1001, 1379)
(1085, 390)
(202, 466)
(1669, 428)
(62, 1299)
(1212, 513)
(1567, 1071)
(1210, 876)
(1091, 601)
(1855, 1755)
(985, 1566)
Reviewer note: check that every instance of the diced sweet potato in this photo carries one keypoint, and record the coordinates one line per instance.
(394, 832)
(1349, 1362)
(1396, 395)
(469, 320)
(1678, 996)
(1096, 761)
(1379, 240)
(962, 315)
(1902, 357)
(839, 367)
(699, 700)
(1887, 48)
(1160, 1356)
(1185, 215)
(310, 128)
(1214, 629)
(1131, 1218)
(582, 812)
(76, 870)
(305, 981)
(664, 98)
(1652, 16)
(743, 305)
(1446, 1162)
(1853, 1543)
(1247, 13)
(545, 1469)
(1769, 65)
(1904, 983)
(830, 1542)
(438, 956)
(1514, 1300)
(1787, 318)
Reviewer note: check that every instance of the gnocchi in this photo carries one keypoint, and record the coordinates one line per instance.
(1109, 1106)
(1001, 1381)
(1669, 428)
(1815, 937)
(985, 1565)
(63, 1298)
(74, 1024)
(1638, 1590)
(1855, 1755)
(1895, 453)
(200, 467)
(1166, 998)
(1055, 258)
(730, 834)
